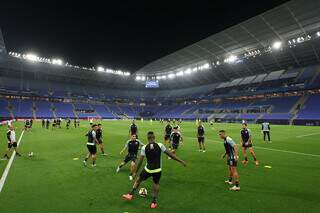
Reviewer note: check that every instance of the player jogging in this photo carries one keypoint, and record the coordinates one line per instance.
(167, 134)
(200, 135)
(133, 129)
(265, 128)
(11, 137)
(99, 138)
(246, 143)
(176, 138)
(231, 151)
(92, 146)
(152, 151)
(132, 146)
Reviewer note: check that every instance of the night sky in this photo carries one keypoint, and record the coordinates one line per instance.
(123, 35)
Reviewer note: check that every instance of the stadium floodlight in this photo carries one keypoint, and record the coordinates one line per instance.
(187, 71)
(180, 73)
(206, 66)
(318, 34)
(171, 75)
(231, 59)
(143, 78)
(164, 77)
(195, 69)
(100, 69)
(31, 57)
(138, 78)
(126, 73)
(277, 45)
(55, 61)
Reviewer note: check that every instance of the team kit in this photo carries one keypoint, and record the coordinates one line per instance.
(137, 152)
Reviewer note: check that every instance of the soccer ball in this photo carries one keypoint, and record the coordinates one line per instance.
(30, 154)
(143, 192)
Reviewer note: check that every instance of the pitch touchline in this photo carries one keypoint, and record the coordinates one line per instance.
(6, 171)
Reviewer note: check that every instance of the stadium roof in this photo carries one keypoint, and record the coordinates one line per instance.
(292, 20)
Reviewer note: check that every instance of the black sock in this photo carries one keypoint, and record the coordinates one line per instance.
(230, 179)
(86, 159)
(254, 158)
(237, 183)
(246, 159)
(102, 151)
(121, 166)
(132, 191)
(154, 199)
(94, 162)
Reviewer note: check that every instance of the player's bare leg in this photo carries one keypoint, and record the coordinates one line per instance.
(86, 159)
(203, 147)
(16, 149)
(235, 178)
(94, 158)
(254, 156)
(244, 152)
(6, 156)
(200, 147)
(155, 191)
(101, 146)
(229, 181)
(132, 170)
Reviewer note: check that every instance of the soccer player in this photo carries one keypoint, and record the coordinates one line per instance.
(246, 143)
(265, 128)
(47, 123)
(152, 151)
(27, 125)
(167, 134)
(176, 138)
(43, 122)
(133, 129)
(11, 137)
(99, 138)
(200, 135)
(132, 146)
(75, 123)
(231, 151)
(68, 123)
(91, 121)
(92, 145)
(54, 124)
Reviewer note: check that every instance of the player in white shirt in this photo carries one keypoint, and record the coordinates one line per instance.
(12, 142)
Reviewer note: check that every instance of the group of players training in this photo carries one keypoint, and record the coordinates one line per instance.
(152, 152)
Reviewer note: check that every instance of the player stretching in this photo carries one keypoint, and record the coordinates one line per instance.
(176, 138)
(200, 136)
(167, 134)
(231, 151)
(133, 129)
(99, 138)
(133, 147)
(246, 143)
(92, 146)
(11, 136)
(152, 151)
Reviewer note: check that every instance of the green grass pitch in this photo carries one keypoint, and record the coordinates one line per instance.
(52, 181)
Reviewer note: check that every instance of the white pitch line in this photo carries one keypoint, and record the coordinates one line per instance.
(276, 150)
(7, 169)
(285, 151)
(301, 136)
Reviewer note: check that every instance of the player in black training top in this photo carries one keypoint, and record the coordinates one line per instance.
(133, 129)
(152, 151)
(175, 138)
(246, 143)
(47, 123)
(68, 123)
(92, 145)
(167, 134)
(200, 135)
(99, 138)
(132, 146)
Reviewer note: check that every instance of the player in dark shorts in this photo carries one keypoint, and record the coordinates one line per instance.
(200, 135)
(43, 122)
(11, 138)
(176, 139)
(152, 151)
(47, 123)
(231, 151)
(167, 134)
(27, 125)
(54, 124)
(68, 123)
(133, 129)
(246, 143)
(92, 145)
(99, 138)
(133, 146)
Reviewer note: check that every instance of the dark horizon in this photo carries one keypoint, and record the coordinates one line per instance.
(115, 35)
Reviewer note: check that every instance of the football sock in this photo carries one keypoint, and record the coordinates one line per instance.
(246, 159)
(86, 159)
(254, 158)
(230, 179)
(237, 183)
(94, 162)
(132, 191)
(154, 199)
